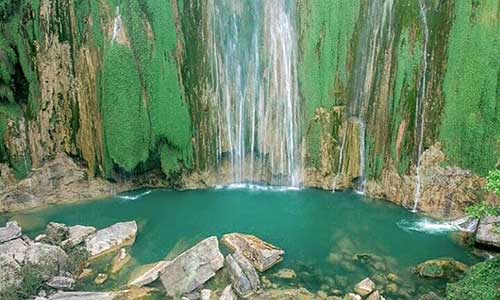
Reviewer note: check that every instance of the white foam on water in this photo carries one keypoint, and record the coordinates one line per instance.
(256, 187)
(134, 197)
(427, 226)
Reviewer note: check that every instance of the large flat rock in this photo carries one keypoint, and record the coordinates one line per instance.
(192, 268)
(261, 254)
(111, 238)
(10, 231)
(488, 232)
(84, 296)
(149, 274)
(49, 260)
(14, 248)
(10, 273)
(78, 233)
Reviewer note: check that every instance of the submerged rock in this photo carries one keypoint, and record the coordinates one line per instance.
(441, 268)
(111, 238)
(193, 267)
(14, 248)
(10, 231)
(120, 260)
(101, 278)
(262, 255)
(243, 275)
(149, 275)
(61, 283)
(10, 273)
(488, 232)
(285, 294)
(365, 287)
(48, 260)
(285, 274)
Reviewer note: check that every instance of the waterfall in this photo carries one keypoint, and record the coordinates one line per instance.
(376, 29)
(420, 107)
(116, 24)
(255, 85)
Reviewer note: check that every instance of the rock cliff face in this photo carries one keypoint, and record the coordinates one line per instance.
(99, 96)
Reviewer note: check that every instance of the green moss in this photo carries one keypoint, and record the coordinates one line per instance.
(126, 124)
(481, 282)
(470, 130)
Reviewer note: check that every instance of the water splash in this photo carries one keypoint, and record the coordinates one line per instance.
(420, 108)
(134, 197)
(258, 107)
(427, 226)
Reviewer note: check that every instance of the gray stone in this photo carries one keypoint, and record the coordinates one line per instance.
(56, 233)
(77, 234)
(49, 260)
(10, 231)
(243, 276)
(206, 294)
(193, 267)
(375, 296)
(488, 232)
(228, 294)
(466, 224)
(365, 287)
(149, 274)
(352, 296)
(83, 296)
(14, 248)
(262, 255)
(61, 283)
(10, 273)
(111, 238)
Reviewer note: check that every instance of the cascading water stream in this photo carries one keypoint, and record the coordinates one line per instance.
(420, 107)
(117, 24)
(255, 85)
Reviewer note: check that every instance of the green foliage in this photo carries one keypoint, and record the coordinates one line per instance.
(77, 257)
(482, 209)
(31, 284)
(126, 124)
(471, 123)
(7, 61)
(493, 185)
(481, 282)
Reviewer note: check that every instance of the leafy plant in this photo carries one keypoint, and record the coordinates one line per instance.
(493, 184)
(482, 209)
(78, 256)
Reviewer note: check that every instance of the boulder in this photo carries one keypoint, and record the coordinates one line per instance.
(441, 268)
(55, 233)
(364, 287)
(14, 248)
(466, 224)
(228, 294)
(205, 294)
(262, 255)
(48, 260)
(488, 232)
(111, 238)
(61, 283)
(77, 234)
(352, 296)
(120, 260)
(149, 274)
(243, 276)
(10, 273)
(375, 296)
(193, 267)
(10, 231)
(83, 296)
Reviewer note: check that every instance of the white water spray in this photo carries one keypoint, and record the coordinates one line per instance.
(117, 24)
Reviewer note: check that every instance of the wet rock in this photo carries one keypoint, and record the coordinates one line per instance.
(441, 268)
(149, 275)
(488, 232)
(119, 261)
(14, 248)
(228, 294)
(101, 278)
(193, 267)
(10, 273)
(466, 224)
(77, 234)
(243, 275)
(262, 255)
(84, 296)
(352, 296)
(375, 296)
(10, 231)
(48, 260)
(61, 283)
(285, 274)
(111, 238)
(364, 287)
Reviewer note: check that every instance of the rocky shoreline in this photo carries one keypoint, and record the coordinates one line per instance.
(55, 263)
